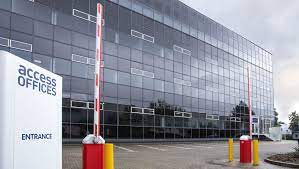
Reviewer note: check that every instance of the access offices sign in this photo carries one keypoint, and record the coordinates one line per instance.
(30, 115)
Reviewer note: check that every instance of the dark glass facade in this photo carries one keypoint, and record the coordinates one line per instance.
(169, 72)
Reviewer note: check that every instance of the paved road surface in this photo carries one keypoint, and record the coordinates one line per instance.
(195, 155)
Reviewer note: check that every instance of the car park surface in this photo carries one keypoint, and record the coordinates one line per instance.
(177, 155)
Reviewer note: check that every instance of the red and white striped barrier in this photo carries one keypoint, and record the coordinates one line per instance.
(93, 144)
(98, 63)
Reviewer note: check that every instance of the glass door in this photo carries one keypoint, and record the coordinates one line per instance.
(255, 125)
(267, 126)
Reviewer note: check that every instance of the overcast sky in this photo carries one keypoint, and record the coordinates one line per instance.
(272, 24)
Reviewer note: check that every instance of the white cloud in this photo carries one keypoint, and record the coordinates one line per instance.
(272, 24)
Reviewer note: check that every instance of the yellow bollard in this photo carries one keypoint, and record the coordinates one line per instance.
(230, 150)
(108, 156)
(255, 152)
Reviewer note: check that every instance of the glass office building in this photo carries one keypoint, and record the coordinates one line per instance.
(169, 72)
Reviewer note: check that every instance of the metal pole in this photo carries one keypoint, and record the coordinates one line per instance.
(256, 153)
(230, 150)
(98, 60)
(249, 102)
(109, 156)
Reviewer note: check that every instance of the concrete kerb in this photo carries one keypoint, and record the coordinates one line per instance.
(234, 164)
(282, 164)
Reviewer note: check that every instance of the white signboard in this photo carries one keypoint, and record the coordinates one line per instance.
(30, 115)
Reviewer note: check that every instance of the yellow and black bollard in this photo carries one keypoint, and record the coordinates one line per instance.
(108, 156)
(255, 152)
(230, 150)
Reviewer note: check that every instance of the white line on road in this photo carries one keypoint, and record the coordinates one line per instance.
(152, 147)
(185, 148)
(219, 145)
(131, 151)
(202, 146)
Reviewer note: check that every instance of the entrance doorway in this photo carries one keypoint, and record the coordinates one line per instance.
(255, 125)
(267, 126)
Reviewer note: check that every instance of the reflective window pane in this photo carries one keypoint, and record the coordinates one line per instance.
(79, 70)
(4, 18)
(80, 40)
(61, 66)
(21, 23)
(23, 7)
(124, 132)
(42, 13)
(124, 78)
(62, 35)
(5, 4)
(43, 61)
(62, 50)
(110, 76)
(78, 115)
(42, 46)
(43, 30)
(136, 81)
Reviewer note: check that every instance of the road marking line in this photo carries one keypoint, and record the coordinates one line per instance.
(200, 146)
(151, 147)
(131, 151)
(223, 146)
(185, 148)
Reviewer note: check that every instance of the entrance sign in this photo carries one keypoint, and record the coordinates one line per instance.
(30, 115)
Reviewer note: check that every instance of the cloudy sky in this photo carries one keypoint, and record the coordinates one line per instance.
(272, 24)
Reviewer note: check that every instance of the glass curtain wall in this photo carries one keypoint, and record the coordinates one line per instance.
(169, 72)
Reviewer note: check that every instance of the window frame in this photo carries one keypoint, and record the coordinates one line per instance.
(151, 110)
(182, 50)
(136, 112)
(10, 45)
(81, 12)
(175, 114)
(78, 101)
(135, 73)
(142, 36)
(136, 33)
(212, 117)
(8, 42)
(89, 18)
(147, 75)
(78, 61)
(187, 115)
(235, 119)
